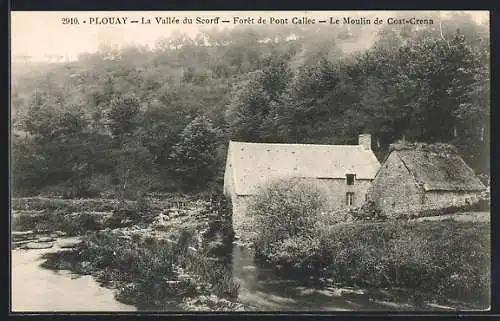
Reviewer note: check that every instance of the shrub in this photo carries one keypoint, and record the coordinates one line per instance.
(31, 221)
(77, 223)
(368, 211)
(129, 213)
(295, 254)
(285, 209)
(445, 259)
(56, 220)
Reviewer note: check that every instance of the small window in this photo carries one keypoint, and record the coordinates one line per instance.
(350, 179)
(349, 198)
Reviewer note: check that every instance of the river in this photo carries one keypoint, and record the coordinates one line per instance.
(261, 288)
(36, 289)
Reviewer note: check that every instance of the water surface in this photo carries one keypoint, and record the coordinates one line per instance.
(36, 289)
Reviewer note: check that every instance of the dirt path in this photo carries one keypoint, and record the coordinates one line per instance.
(463, 217)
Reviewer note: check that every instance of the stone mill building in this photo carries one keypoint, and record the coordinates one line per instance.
(344, 172)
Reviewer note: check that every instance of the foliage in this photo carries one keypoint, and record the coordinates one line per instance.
(284, 209)
(445, 260)
(74, 205)
(121, 115)
(368, 211)
(127, 214)
(148, 272)
(431, 256)
(58, 220)
(193, 155)
(137, 116)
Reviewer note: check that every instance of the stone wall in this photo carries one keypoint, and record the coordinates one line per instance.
(441, 199)
(394, 190)
(334, 189)
(239, 217)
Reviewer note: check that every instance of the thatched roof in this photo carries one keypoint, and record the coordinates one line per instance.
(438, 167)
(255, 163)
(436, 147)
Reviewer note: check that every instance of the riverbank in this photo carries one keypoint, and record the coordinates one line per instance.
(164, 256)
(421, 264)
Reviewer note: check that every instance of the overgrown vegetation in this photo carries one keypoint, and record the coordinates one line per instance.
(283, 209)
(155, 267)
(76, 217)
(148, 272)
(120, 122)
(443, 260)
(52, 221)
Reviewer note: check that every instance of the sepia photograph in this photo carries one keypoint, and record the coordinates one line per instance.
(250, 161)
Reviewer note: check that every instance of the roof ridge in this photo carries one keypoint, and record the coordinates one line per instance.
(298, 144)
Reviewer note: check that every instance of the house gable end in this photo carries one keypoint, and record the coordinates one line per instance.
(394, 187)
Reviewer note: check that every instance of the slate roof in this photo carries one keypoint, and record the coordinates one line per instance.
(255, 163)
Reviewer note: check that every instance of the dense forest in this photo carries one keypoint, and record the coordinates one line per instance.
(124, 121)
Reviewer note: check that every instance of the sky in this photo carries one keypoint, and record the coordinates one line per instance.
(43, 34)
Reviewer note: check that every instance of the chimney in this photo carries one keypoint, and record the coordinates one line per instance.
(365, 140)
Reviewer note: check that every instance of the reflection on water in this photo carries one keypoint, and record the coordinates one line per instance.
(262, 289)
(35, 289)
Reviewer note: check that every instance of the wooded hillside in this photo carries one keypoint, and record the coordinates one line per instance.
(123, 121)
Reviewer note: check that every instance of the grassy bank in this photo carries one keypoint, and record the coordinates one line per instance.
(77, 216)
(149, 272)
(438, 260)
(164, 262)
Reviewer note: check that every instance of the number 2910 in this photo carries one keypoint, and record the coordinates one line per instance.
(69, 21)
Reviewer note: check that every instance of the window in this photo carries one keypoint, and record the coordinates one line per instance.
(350, 179)
(349, 198)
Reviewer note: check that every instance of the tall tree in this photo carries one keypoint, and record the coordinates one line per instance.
(194, 153)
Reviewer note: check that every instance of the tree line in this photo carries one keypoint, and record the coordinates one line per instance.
(124, 121)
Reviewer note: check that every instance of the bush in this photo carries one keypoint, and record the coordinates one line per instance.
(31, 221)
(57, 220)
(129, 213)
(78, 223)
(284, 209)
(444, 259)
(368, 211)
